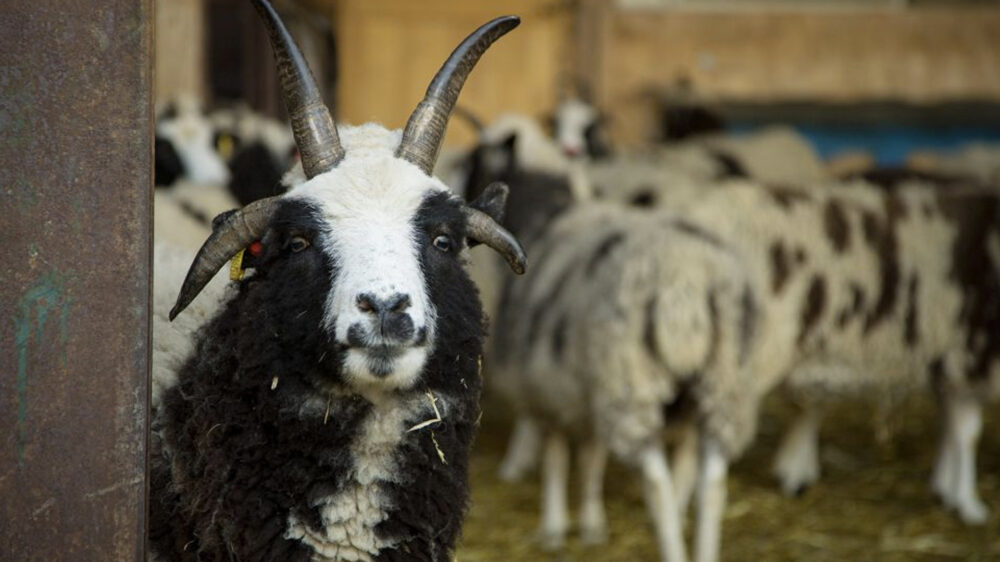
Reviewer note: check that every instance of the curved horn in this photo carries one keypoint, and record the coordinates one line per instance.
(483, 228)
(231, 234)
(315, 132)
(425, 128)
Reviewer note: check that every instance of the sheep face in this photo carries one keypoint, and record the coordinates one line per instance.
(577, 129)
(191, 137)
(371, 236)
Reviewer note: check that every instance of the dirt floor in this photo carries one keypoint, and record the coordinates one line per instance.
(873, 501)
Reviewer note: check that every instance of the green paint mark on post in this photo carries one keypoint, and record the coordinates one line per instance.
(47, 295)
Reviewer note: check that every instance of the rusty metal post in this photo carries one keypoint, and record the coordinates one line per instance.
(75, 186)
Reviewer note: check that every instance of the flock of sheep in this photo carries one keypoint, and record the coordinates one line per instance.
(323, 404)
(679, 286)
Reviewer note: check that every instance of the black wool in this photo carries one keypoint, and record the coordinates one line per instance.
(236, 451)
(255, 174)
(167, 163)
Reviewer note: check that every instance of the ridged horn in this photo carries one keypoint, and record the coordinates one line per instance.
(230, 235)
(425, 129)
(482, 228)
(314, 130)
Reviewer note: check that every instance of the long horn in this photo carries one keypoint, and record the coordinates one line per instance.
(233, 233)
(425, 128)
(315, 132)
(481, 227)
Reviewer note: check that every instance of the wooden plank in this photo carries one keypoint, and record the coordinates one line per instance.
(390, 50)
(75, 186)
(776, 56)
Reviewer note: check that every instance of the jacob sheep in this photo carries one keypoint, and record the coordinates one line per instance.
(329, 407)
(629, 312)
(838, 285)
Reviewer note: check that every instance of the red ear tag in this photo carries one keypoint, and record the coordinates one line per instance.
(256, 248)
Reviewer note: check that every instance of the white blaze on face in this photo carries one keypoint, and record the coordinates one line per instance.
(572, 119)
(370, 202)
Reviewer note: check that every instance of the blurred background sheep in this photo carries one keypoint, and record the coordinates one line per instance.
(640, 108)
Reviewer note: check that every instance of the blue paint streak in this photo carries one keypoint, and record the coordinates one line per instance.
(46, 295)
(890, 144)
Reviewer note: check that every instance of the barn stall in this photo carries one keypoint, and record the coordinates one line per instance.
(858, 86)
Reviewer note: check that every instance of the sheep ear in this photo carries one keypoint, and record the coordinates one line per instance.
(509, 150)
(481, 227)
(493, 202)
(221, 218)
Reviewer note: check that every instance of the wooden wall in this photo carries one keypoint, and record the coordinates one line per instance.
(180, 49)
(915, 55)
(390, 50)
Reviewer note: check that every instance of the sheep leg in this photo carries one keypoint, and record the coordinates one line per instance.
(967, 423)
(593, 457)
(797, 463)
(686, 467)
(659, 492)
(947, 461)
(714, 467)
(555, 472)
(522, 451)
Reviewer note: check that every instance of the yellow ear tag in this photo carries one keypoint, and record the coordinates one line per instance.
(236, 267)
(225, 146)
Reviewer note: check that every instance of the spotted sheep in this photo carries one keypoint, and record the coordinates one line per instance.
(628, 311)
(329, 407)
(850, 290)
(184, 147)
(874, 292)
(925, 315)
(257, 149)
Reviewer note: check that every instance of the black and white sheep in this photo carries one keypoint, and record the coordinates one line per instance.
(329, 407)
(876, 292)
(257, 149)
(184, 148)
(628, 312)
(952, 347)
(840, 285)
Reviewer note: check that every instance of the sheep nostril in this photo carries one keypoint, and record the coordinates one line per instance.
(402, 304)
(366, 305)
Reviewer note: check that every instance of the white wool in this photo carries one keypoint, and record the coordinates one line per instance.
(534, 150)
(173, 342)
(776, 155)
(351, 515)
(977, 160)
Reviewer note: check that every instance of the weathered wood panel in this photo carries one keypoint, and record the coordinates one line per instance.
(75, 185)
(180, 49)
(915, 55)
(389, 51)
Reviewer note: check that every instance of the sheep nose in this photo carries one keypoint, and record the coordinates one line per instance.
(389, 315)
(395, 304)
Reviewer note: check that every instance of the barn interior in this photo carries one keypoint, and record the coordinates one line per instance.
(855, 87)
(864, 84)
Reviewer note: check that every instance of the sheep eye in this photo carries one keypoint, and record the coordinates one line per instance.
(298, 244)
(442, 243)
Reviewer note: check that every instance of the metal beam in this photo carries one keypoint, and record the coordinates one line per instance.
(75, 186)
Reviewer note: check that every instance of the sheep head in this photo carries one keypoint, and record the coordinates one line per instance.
(369, 234)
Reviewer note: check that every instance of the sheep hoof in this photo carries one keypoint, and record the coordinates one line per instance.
(551, 540)
(973, 512)
(594, 535)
